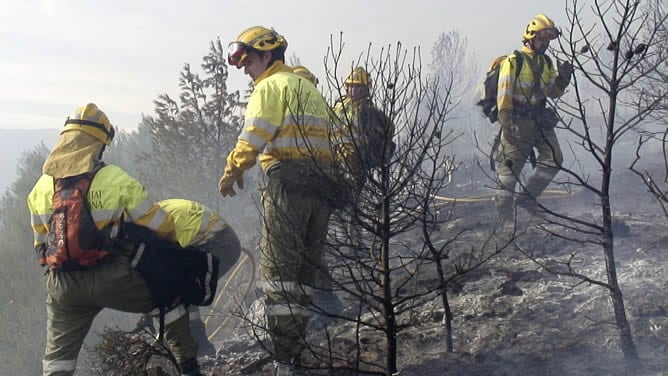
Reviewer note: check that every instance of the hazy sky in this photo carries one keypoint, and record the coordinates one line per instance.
(120, 54)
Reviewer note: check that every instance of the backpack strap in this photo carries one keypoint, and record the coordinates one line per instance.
(519, 61)
(161, 323)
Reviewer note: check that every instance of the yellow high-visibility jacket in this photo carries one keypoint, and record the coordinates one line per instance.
(521, 90)
(112, 194)
(194, 223)
(286, 119)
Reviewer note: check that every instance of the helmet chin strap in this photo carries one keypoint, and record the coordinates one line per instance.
(104, 147)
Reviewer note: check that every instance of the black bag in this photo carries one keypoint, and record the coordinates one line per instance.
(171, 271)
(376, 137)
(547, 118)
(490, 86)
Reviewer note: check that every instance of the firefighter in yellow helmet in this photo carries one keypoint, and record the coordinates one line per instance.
(364, 132)
(526, 121)
(302, 71)
(76, 294)
(198, 226)
(286, 129)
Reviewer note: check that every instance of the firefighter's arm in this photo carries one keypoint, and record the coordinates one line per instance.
(504, 99)
(143, 211)
(558, 79)
(241, 158)
(40, 208)
(263, 118)
(40, 229)
(346, 153)
(349, 160)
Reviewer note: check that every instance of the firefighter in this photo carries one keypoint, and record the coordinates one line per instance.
(325, 299)
(526, 122)
(76, 296)
(195, 225)
(364, 137)
(286, 129)
(302, 71)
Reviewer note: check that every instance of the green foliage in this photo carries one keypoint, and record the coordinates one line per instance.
(190, 137)
(178, 152)
(125, 150)
(22, 314)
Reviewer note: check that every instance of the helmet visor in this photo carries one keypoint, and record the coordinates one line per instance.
(237, 54)
(547, 34)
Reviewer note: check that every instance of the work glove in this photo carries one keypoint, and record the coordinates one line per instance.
(511, 133)
(565, 69)
(226, 184)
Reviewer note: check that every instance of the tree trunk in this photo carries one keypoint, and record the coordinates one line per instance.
(626, 338)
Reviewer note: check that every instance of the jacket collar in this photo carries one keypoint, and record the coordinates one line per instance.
(276, 67)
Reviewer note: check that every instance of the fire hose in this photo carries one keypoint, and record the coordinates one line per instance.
(248, 257)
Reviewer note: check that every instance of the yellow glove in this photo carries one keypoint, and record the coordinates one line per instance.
(226, 184)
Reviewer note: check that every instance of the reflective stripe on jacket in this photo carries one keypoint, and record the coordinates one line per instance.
(112, 193)
(194, 223)
(521, 90)
(286, 119)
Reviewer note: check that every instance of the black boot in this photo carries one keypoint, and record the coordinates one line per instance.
(190, 368)
(530, 205)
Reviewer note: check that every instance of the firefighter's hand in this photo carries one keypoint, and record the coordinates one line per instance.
(145, 322)
(226, 184)
(565, 69)
(511, 134)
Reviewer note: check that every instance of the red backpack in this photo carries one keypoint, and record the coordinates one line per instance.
(73, 241)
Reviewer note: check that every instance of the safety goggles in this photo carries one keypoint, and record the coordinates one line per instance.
(547, 34)
(237, 52)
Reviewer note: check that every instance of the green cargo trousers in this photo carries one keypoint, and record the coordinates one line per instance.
(75, 298)
(294, 229)
(512, 157)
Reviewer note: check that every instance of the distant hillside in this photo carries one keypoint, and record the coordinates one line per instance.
(13, 142)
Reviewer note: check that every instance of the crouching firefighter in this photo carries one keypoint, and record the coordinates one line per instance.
(78, 207)
(526, 79)
(198, 227)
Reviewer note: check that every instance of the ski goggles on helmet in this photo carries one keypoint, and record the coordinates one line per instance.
(237, 52)
(547, 34)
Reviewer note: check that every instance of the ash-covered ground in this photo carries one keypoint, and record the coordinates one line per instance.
(513, 316)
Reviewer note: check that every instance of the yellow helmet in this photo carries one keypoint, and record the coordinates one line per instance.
(301, 71)
(541, 27)
(256, 37)
(90, 119)
(359, 76)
